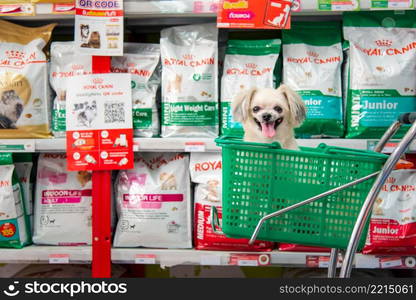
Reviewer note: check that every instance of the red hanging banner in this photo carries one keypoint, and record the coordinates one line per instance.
(254, 14)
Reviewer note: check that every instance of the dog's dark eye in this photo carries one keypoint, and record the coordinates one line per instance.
(256, 108)
(278, 109)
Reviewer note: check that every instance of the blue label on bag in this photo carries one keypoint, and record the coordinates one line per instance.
(227, 118)
(323, 107)
(381, 112)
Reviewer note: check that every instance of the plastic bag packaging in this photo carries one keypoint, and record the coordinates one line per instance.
(24, 89)
(141, 61)
(312, 61)
(190, 81)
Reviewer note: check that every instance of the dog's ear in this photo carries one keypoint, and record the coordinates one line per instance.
(241, 104)
(296, 105)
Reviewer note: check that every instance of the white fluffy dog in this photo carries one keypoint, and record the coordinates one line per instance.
(269, 115)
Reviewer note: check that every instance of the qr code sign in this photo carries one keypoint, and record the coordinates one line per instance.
(114, 112)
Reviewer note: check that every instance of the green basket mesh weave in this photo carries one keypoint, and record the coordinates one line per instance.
(259, 179)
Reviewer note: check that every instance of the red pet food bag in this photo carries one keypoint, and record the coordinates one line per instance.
(206, 173)
(393, 221)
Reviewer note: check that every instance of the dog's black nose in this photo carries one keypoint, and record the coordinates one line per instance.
(266, 117)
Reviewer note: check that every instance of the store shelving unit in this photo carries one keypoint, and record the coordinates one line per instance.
(175, 144)
(161, 13)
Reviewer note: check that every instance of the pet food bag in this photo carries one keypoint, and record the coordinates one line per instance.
(153, 202)
(24, 89)
(393, 221)
(382, 70)
(23, 163)
(312, 61)
(65, 64)
(14, 223)
(141, 61)
(206, 173)
(189, 81)
(63, 212)
(247, 64)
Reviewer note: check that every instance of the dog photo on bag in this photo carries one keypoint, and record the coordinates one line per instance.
(269, 115)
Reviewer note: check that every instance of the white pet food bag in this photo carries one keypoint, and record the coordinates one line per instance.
(153, 202)
(189, 81)
(141, 61)
(247, 64)
(24, 89)
(14, 224)
(63, 212)
(65, 64)
(206, 172)
(24, 169)
(382, 70)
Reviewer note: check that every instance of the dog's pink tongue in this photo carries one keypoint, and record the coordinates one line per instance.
(268, 129)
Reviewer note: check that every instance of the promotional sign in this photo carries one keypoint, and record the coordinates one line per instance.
(386, 4)
(99, 122)
(338, 5)
(261, 14)
(99, 27)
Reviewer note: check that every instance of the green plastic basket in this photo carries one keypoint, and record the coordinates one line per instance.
(259, 179)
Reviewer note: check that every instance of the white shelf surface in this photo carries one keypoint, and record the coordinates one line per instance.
(44, 254)
(172, 257)
(171, 144)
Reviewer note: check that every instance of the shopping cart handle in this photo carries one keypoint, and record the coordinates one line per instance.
(407, 118)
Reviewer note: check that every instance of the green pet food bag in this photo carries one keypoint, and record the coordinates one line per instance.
(312, 62)
(248, 63)
(382, 71)
(14, 221)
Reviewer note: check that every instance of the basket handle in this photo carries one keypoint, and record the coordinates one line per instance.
(228, 140)
(340, 150)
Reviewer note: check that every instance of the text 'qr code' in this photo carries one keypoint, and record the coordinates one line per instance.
(114, 112)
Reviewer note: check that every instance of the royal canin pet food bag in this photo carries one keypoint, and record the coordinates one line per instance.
(63, 207)
(382, 70)
(393, 221)
(206, 173)
(153, 202)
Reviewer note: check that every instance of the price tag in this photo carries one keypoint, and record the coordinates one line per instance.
(145, 259)
(338, 5)
(16, 145)
(63, 9)
(206, 6)
(390, 262)
(194, 147)
(24, 9)
(323, 262)
(59, 258)
(211, 260)
(136, 146)
(388, 148)
(249, 260)
(385, 4)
